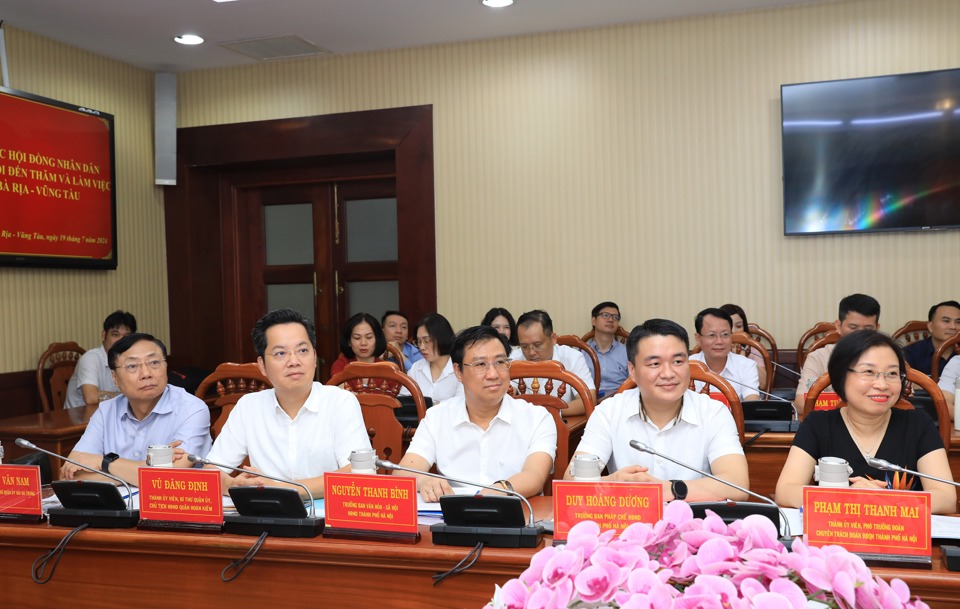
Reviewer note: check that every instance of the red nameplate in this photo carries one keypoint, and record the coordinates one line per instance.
(181, 495)
(612, 505)
(370, 503)
(714, 395)
(868, 521)
(827, 400)
(20, 490)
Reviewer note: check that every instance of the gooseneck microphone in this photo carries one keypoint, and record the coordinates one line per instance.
(884, 465)
(313, 510)
(646, 449)
(786, 369)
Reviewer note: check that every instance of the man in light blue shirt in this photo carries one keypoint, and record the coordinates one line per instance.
(612, 354)
(396, 328)
(147, 412)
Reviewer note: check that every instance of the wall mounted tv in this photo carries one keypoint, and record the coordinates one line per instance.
(872, 154)
(58, 204)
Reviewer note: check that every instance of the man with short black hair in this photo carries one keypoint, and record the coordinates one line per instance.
(663, 413)
(538, 343)
(148, 412)
(715, 339)
(943, 322)
(396, 328)
(856, 312)
(605, 319)
(92, 381)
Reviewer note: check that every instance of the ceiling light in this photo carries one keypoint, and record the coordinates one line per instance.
(188, 39)
(496, 3)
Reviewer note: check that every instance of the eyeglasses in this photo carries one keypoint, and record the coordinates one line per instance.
(423, 342)
(301, 353)
(870, 375)
(500, 365)
(132, 368)
(712, 337)
(613, 316)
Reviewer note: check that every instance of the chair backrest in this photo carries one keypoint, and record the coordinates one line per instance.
(396, 355)
(953, 343)
(766, 339)
(570, 340)
(62, 359)
(620, 335)
(809, 337)
(743, 343)
(913, 376)
(548, 376)
(911, 332)
(700, 372)
(223, 388)
(827, 339)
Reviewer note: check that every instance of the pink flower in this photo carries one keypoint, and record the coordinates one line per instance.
(563, 564)
(598, 582)
(716, 556)
(539, 561)
(708, 592)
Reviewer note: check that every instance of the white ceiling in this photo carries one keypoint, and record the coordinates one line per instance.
(140, 32)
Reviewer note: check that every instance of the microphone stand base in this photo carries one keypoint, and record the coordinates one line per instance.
(276, 526)
(96, 519)
(492, 537)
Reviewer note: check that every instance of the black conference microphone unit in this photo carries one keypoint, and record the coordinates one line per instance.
(274, 510)
(96, 504)
(468, 520)
(739, 509)
(763, 416)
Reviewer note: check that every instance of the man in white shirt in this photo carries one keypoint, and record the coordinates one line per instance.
(538, 343)
(949, 383)
(715, 339)
(483, 436)
(665, 415)
(92, 380)
(298, 430)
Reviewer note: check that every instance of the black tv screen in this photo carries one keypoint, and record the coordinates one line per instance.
(872, 154)
(57, 189)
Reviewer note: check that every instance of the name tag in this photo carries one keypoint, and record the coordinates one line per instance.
(180, 495)
(20, 490)
(368, 502)
(612, 505)
(827, 400)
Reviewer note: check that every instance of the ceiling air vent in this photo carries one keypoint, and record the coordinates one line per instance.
(275, 47)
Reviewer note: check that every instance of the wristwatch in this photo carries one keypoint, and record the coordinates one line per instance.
(505, 484)
(679, 489)
(107, 460)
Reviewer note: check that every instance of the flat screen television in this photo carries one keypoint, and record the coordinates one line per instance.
(58, 205)
(872, 154)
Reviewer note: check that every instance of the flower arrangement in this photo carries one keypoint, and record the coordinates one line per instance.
(684, 562)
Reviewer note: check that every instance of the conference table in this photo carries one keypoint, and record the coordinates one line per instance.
(57, 431)
(127, 567)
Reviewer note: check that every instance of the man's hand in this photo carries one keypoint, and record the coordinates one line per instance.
(179, 455)
(68, 470)
(631, 473)
(432, 488)
(249, 477)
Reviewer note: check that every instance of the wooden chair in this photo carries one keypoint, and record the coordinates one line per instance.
(951, 343)
(547, 376)
(911, 332)
(620, 335)
(766, 339)
(700, 372)
(224, 387)
(742, 343)
(827, 339)
(811, 336)
(377, 386)
(392, 353)
(913, 376)
(570, 340)
(62, 359)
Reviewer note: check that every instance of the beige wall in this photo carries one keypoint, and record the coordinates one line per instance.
(41, 306)
(638, 163)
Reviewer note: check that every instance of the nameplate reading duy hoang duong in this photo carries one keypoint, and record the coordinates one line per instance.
(612, 505)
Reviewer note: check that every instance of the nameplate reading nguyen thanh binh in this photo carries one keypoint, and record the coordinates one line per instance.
(181, 494)
(366, 502)
(877, 524)
(20, 490)
(612, 505)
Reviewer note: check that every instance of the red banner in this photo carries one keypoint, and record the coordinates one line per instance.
(181, 495)
(20, 490)
(371, 503)
(612, 505)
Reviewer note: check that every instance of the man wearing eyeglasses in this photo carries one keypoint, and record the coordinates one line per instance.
(538, 343)
(612, 354)
(715, 339)
(147, 412)
(483, 436)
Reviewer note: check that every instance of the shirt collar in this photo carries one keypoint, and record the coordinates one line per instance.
(505, 413)
(164, 405)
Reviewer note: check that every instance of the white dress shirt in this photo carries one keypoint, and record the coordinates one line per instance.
(572, 359)
(740, 370)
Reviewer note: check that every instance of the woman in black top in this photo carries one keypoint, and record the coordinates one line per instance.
(867, 371)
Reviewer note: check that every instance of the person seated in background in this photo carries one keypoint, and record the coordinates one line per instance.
(943, 322)
(715, 339)
(868, 371)
(663, 413)
(856, 312)
(361, 340)
(396, 329)
(538, 343)
(949, 383)
(502, 321)
(740, 324)
(484, 435)
(147, 412)
(92, 380)
(605, 319)
(434, 373)
(299, 429)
